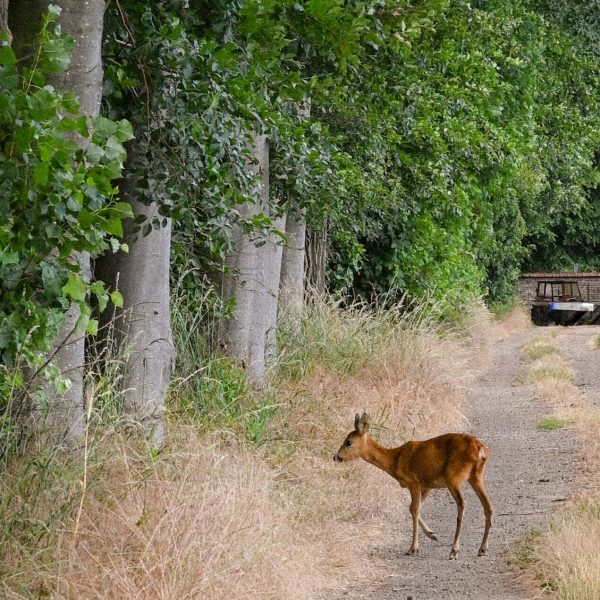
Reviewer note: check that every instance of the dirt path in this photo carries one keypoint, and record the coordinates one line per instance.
(527, 476)
(578, 345)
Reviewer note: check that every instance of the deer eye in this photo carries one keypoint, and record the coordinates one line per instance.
(348, 443)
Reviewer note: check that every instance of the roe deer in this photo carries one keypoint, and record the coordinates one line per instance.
(446, 461)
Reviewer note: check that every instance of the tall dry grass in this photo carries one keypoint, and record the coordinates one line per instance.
(565, 557)
(215, 516)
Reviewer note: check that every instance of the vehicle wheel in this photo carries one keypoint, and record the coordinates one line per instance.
(539, 316)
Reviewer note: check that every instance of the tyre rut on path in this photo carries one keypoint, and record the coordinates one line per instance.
(527, 477)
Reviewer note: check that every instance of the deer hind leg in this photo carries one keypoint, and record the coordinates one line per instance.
(460, 505)
(476, 481)
(415, 507)
(428, 532)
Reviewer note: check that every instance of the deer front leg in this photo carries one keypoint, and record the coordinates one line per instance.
(415, 506)
(460, 505)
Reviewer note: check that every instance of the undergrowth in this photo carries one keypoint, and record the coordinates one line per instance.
(244, 500)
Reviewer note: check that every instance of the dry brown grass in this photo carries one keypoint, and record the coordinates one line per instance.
(565, 558)
(516, 320)
(209, 524)
(215, 517)
(548, 368)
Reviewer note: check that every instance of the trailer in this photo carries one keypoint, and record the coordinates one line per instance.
(559, 301)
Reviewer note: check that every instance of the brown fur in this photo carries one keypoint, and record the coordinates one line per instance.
(446, 461)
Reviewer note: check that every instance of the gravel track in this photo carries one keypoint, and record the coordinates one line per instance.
(527, 477)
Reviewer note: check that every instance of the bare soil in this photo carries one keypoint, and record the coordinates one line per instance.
(527, 477)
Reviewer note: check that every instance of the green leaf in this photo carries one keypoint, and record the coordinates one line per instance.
(75, 288)
(9, 80)
(92, 327)
(113, 149)
(113, 225)
(124, 131)
(82, 126)
(117, 298)
(94, 153)
(122, 210)
(40, 173)
(82, 323)
(56, 53)
(9, 258)
(51, 278)
(103, 128)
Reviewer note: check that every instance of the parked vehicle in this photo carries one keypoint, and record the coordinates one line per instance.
(559, 302)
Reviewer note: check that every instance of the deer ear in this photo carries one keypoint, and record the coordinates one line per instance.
(361, 424)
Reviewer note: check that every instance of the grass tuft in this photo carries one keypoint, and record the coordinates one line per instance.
(552, 367)
(524, 552)
(553, 422)
(567, 555)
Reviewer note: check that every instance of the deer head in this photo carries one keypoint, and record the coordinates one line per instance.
(356, 442)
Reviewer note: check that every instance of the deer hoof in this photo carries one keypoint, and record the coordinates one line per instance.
(412, 551)
(433, 536)
(453, 554)
(482, 552)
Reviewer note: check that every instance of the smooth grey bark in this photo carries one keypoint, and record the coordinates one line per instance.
(4, 19)
(142, 328)
(83, 20)
(263, 344)
(291, 297)
(239, 285)
(251, 278)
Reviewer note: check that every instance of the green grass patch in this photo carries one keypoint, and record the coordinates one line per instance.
(550, 423)
(342, 339)
(524, 552)
(501, 310)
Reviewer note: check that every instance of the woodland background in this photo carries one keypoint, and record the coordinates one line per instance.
(188, 186)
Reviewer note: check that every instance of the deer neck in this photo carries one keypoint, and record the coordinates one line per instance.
(383, 458)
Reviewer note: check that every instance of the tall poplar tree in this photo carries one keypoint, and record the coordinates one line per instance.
(83, 21)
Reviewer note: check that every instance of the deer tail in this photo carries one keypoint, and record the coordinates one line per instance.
(484, 453)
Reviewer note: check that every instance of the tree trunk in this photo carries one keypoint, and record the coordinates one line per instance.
(83, 20)
(266, 301)
(316, 259)
(251, 278)
(292, 267)
(4, 19)
(143, 326)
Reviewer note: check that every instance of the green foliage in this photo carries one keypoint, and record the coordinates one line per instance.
(213, 73)
(217, 393)
(57, 202)
(485, 129)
